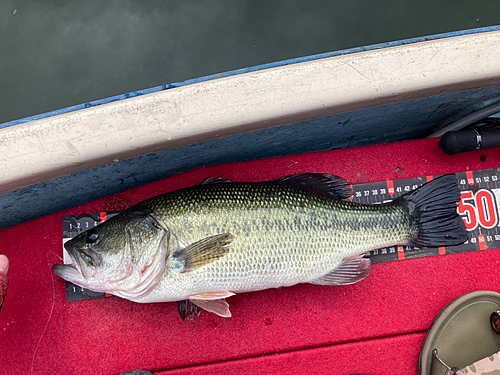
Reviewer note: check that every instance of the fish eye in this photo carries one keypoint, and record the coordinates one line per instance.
(91, 235)
(86, 258)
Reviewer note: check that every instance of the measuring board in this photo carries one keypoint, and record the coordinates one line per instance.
(479, 207)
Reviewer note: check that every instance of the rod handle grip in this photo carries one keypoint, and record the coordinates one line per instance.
(454, 142)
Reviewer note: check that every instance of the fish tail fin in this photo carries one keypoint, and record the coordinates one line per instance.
(434, 217)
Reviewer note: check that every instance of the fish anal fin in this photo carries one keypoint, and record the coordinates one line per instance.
(201, 253)
(323, 184)
(217, 306)
(350, 271)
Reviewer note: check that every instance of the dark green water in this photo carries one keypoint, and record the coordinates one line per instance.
(54, 54)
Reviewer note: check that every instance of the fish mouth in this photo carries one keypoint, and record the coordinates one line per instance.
(68, 246)
(70, 272)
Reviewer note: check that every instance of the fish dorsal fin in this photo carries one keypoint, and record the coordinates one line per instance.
(210, 180)
(350, 271)
(217, 306)
(326, 185)
(201, 253)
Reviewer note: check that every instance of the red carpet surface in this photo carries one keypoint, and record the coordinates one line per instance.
(373, 327)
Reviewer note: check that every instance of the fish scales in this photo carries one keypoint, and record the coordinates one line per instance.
(283, 235)
(213, 240)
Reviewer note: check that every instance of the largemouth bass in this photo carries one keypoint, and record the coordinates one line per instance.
(216, 239)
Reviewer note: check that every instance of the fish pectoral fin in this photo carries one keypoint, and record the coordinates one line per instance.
(350, 271)
(202, 252)
(217, 306)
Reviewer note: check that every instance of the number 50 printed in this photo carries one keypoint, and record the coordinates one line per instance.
(479, 209)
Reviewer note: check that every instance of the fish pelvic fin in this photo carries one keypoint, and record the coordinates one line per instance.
(202, 252)
(433, 213)
(214, 302)
(187, 310)
(350, 271)
(209, 296)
